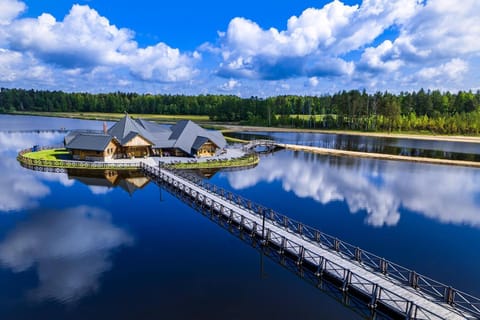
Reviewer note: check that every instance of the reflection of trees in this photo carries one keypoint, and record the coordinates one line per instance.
(69, 248)
(447, 194)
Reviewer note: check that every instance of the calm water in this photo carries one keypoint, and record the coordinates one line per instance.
(407, 147)
(76, 246)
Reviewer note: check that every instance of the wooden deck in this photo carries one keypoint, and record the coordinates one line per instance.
(407, 301)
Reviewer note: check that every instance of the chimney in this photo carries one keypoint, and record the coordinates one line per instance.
(104, 127)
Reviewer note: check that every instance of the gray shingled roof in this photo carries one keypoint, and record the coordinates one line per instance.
(123, 129)
(198, 143)
(89, 141)
(186, 132)
(152, 127)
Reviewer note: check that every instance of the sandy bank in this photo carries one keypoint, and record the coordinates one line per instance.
(346, 153)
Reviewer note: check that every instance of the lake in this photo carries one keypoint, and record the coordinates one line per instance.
(469, 151)
(115, 245)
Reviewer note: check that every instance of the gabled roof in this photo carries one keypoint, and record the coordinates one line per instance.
(132, 135)
(152, 127)
(89, 141)
(187, 134)
(125, 129)
(199, 142)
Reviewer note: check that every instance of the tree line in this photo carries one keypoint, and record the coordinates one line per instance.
(434, 111)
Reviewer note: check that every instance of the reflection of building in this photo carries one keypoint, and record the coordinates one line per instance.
(130, 138)
(129, 181)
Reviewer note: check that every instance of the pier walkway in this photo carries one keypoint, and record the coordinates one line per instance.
(382, 284)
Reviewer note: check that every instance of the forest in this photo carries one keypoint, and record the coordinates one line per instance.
(425, 111)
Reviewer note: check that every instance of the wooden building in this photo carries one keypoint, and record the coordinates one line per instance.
(130, 138)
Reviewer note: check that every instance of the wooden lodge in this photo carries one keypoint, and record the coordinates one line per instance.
(129, 138)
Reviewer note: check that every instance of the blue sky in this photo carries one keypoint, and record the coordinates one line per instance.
(246, 48)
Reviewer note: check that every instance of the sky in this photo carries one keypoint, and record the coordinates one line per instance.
(246, 48)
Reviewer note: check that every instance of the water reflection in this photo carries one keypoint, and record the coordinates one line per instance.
(70, 250)
(103, 181)
(21, 188)
(457, 150)
(380, 188)
(16, 141)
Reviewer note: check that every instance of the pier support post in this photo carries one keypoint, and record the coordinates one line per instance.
(336, 245)
(375, 296)
(347, 280)
(449, 295)
(320, 267)
(358, 254)
(254, 230)
(383, 266)
(283, 244)
(413, 279)
(301, 255)
(411, 311)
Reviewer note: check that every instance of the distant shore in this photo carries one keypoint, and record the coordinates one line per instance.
(239, 128)
(399, 135)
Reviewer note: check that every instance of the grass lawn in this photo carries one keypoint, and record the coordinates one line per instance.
(239, 162)
(52, 154)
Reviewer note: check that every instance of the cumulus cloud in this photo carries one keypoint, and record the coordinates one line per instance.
(10, 10)
(379, 191)
(453, 69)
(377, 42)
(70, 250)
(84, 43)
(439, 38)
(312, 43)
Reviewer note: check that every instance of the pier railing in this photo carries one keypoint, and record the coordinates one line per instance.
(428, 288)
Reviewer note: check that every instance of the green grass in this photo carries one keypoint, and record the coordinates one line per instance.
(51, 154)
(233, 163)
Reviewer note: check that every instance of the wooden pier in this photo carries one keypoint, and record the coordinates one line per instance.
(382, 283)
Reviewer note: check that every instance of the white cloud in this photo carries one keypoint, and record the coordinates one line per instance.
(453, 70)
(10, 10)
(85, 41)
(445, 29)
(16, 66)
(381, 58)
(440, 38)
(317, 37)
(70, 250)
(161, 63)
(377, 44)
(230, 85)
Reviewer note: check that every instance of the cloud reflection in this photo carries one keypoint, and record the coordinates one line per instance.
(21, 188)
(16, 141)
(69, 248)
(381, 188)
